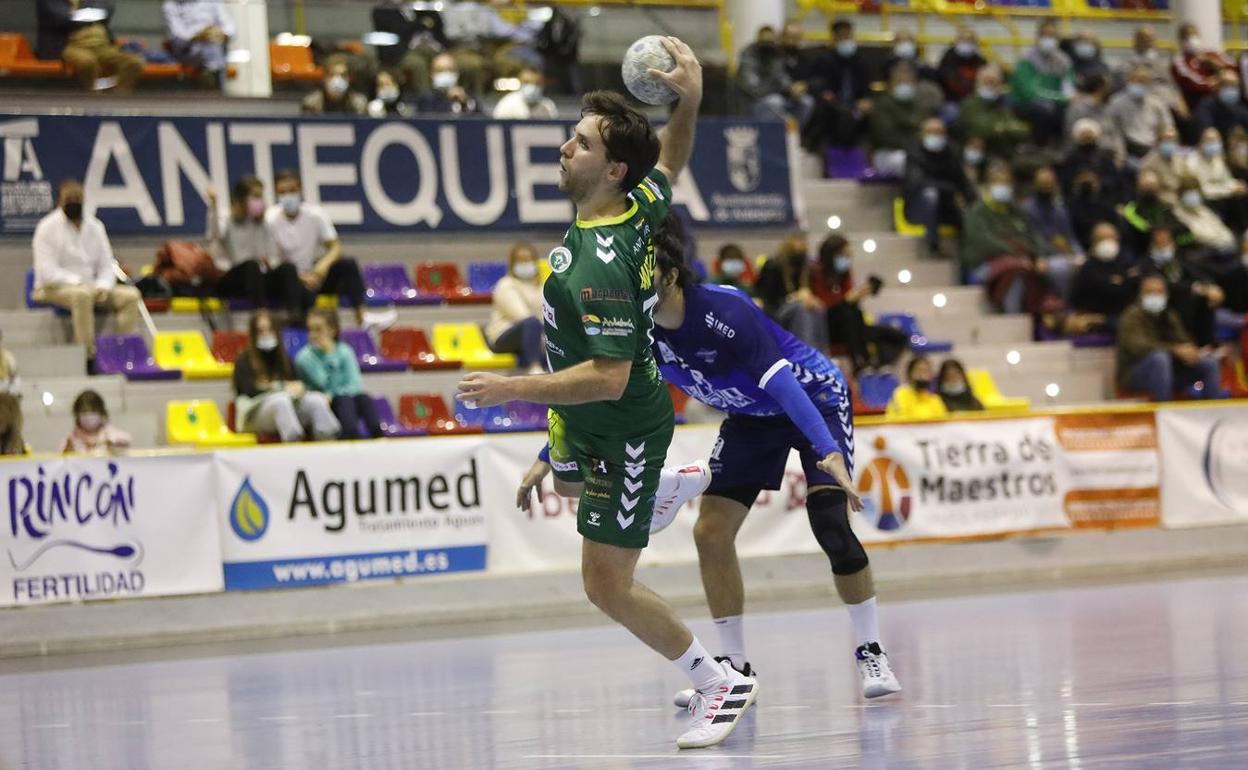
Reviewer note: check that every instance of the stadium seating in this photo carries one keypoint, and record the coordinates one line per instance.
(388, 284)
(875, 390)
(294, 339)
(293, 63)
(483, 275)
(428, 412)
(227, 345)
(513, 417)
(196, 305)
(18, 59)
(908, 324)
(199, 423)
(444, 279)
(127, 355)
(466, 343)
(189, 352)
(413, 346)
(984, 387)
(366, 353)
(390, 424)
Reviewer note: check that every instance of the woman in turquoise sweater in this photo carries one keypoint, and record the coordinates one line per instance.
(328, 365)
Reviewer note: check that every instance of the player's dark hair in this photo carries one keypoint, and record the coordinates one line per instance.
(669, 252)
(627, 134)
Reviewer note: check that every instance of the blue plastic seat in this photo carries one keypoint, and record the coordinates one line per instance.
(483, 275)
(909, 325)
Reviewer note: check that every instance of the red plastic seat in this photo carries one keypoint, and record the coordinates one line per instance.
(17, 58)
(428, 412)
(412, 345)
(227, 345)
(293, 63)
(445, 280)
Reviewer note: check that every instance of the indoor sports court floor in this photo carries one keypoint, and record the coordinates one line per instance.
(1137, 675)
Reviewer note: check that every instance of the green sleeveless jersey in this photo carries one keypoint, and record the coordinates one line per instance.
(598, 303)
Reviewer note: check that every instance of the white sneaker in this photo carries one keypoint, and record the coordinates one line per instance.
(691, 481)
(716, 713)
(684, 696)
(877, 677)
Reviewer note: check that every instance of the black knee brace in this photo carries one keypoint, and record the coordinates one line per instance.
(829, 520)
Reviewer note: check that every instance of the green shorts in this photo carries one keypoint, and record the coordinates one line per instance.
(621, 478)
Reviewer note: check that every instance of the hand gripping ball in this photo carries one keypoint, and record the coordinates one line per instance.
(645, 54)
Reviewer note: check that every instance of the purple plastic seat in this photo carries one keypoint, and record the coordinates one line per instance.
(387, 284)
(390, 424)
(1103, 339)
(127, 355)
(528, 416)
(845, 163)
(367, 354)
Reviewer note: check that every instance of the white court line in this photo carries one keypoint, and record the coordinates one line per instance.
(353, 716)
(1007, 705)
(203, 721)
(711, 757)
(55, 726)
(278, 719)
(1085, 705)
(932, 706)
(500, 711)
(572, 711)
(650, 710)
(425, 713)
(1173, 703)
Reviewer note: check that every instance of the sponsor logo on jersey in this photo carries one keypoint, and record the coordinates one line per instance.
(553, 348)
(595, 519)
(548, 313)
(719, 327)
(606, 295)
(669, 357)
(647, 268)
(592, 324)
(560, 259)
(707, 355)
(618, 327)
(568, 467)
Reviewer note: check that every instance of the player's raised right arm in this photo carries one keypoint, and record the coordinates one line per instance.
(677, 136)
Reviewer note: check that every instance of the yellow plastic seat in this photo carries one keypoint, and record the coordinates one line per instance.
(904, 226)
(986, 390)
(191, 304)
(189, 352)
(543, 270)
(327, 302)
(465, 342)
(200, 423)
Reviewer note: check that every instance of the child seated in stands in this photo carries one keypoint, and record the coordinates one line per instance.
(327, 365)
(92, 431)
(268, 398)
(955, 389)
(915, 400)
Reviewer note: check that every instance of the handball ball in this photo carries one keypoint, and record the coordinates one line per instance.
(645, 54)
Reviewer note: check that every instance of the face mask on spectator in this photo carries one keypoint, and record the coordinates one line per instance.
(1046, 195)
(1191, 44)
(73, 210)
(905, 50)
(842, 264)
(903, 92)
(973, 156)
(767, 48)
(1191, 199)
(266, 343)
(290, 203)
(90, 421)
(1001, 193)
(988, 93)
(966, 49)
(1106, 251)
(953, 388)
(1229, 94)
(531, 92)
(733, 268)
(922, 383)
(1212, 148)
(847, 48)
(1162, 255)
(1047, 44)
(525, 271)
(1086, 189)
(1153, 303)
(1168, 149)
(1085, 50)
(255, 207)
(1137, 91)
(444, 81)
(934, 142)
(337, 85)
(388, 94)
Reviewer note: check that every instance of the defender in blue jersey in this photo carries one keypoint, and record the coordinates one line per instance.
(780, 394)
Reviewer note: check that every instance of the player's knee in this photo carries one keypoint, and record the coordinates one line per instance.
(829, 521)
(716, 525)
(602, 586)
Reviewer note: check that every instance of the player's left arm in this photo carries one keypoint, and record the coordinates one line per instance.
(598, 379)
(677, 136)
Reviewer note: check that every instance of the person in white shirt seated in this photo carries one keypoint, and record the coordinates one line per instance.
(309, 254)
(199, 31)
(528, 102)
(516, 323)
(74, 269)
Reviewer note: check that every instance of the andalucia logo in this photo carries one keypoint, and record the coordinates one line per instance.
(592, 324)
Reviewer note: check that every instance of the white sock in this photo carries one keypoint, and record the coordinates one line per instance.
(732, 640)
(866, 621)
(700, 667)
(669, 480)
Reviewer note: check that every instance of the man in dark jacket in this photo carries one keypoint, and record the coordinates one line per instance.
(1107, 282)
(77, 32)
(1224, 109)
(1192, 292)
(1156, 353)
(960, 65)
(935, 188)
(841, 82)
(765, 81)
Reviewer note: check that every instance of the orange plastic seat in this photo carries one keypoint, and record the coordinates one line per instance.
(428, 412)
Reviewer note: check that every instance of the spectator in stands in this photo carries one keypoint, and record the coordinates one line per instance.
(11, 441)
(516, 323)
(268, 398)
(487, 46)
(915, 400)
(906, 50)
(1156, 353)
(960, 66)
(335, 96)
(1137, 116)
(74, 269)
(1169, 162)
(1237, 154)
(10, 381)
(987, 116)
(783, 287)
(1088, 204)
(199, 32)
(935, 187)
(1192, 295)
(1090, 102)
(842, 84)
(1223, 193)
(1224, 109)
(77, 31)
(447, 97)
(1086, 62)
(328, 365)
(387, 101)
(528, 102)
(92, 432)
(893, 122)
(1051, 222)
(955, 388)
(730, 270)
(1042, 84)
(995, 227)
(1197, 70)
(1144, 53)
(240, 243)
(1087, 154)
(871, 346)
(309, 253)
(1205, 225)
(798, 62)
(975, 161)
(764, 79)
(1109, 282)
(1147, 211)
